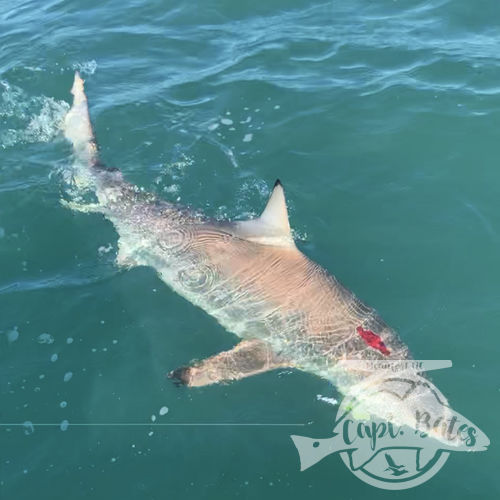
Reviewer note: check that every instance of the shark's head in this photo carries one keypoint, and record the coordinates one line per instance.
(411, 400)
(404, 399)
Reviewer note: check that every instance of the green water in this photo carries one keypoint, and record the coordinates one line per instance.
(382, 120)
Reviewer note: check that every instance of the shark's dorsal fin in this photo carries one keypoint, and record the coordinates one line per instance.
(276, 214)
(272, 227)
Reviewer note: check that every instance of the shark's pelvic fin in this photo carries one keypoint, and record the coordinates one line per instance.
(247, 358)
(272, 227)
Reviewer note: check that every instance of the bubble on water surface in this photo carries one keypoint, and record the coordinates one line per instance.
(28, 427)
(45, 338)
(12, 335)
(68, 376)
(64, 425)
(163, 410)
(54, 358)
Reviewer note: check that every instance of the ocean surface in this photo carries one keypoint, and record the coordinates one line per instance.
(382, 120)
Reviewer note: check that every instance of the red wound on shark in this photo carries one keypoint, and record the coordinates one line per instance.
(373, 340)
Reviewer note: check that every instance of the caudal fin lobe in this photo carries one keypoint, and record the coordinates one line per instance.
(77, 126)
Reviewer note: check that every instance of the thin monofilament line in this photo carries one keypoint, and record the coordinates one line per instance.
(152, 424)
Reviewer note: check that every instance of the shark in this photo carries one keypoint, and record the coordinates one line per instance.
(286, 310)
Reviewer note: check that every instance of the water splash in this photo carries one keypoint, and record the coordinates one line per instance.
(28, 119)
(86, 67)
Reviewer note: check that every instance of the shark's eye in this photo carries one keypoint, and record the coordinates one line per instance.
(315, 444)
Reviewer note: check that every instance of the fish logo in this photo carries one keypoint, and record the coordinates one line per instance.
(394, 453)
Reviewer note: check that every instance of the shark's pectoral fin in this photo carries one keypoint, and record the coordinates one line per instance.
(249, 357)
(125, 258)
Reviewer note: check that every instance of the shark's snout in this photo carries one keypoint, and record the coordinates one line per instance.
(180, 376)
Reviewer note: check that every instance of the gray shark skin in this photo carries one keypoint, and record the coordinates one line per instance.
(287, 310)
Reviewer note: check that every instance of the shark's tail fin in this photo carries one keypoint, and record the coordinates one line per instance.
(77, 126)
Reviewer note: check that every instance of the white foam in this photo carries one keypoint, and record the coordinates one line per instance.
(46, 125)
(248, 137)
(226, 121)
(105, 249)
(68, 376)
(28, 119)
(86, 67)
(330, 401)
(173, 188)
(163, 410)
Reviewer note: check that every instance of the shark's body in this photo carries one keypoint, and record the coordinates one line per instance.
(288, 311)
